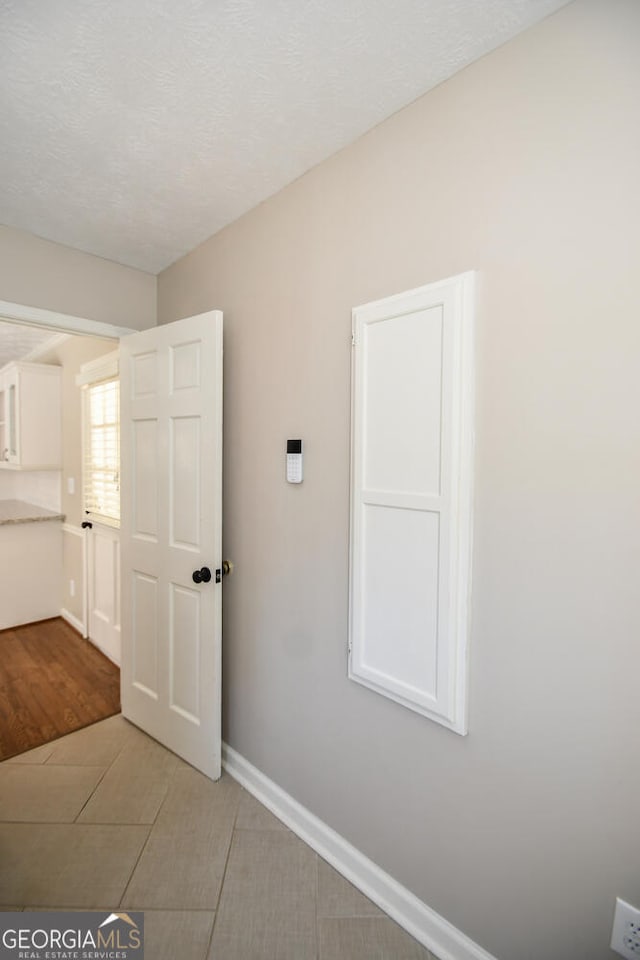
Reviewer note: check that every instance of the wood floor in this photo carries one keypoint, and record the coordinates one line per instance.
(51, 683)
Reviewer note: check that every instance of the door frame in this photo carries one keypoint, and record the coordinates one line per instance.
(60, 322)
(64, 323)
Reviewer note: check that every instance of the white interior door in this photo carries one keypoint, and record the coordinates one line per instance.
(171, 529)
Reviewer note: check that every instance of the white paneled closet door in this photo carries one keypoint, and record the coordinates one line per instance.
(411, 497)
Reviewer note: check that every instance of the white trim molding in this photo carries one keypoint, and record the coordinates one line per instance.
(105, 367)
(63, 322)
(103, 650)
(414, 916)
(73, 621)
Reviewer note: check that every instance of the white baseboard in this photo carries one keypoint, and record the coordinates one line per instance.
(78, 625)
(73, 621)
(414, 916)
(104, 651)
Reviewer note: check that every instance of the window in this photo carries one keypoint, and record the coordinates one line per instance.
(101, 441)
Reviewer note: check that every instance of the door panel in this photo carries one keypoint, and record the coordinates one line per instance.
(185, 652)
(143, 635)
(184, 490)
(411, 498)
(103, 546)
(171, 396)
(144, 468)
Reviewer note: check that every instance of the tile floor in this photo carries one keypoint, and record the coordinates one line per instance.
(106, 818)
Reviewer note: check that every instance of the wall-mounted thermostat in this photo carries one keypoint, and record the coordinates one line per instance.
(294, 461)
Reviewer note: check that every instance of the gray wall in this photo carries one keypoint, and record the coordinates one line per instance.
(524, 167)
(38, 273)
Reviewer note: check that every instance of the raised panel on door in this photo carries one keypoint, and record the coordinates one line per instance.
(400, 638)
(144, 374)
(185, 654)
(143, 635)
(184, 492)
(144, 468)
(185, 365)
(402, 397)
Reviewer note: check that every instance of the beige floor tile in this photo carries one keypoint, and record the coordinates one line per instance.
(267, 907)
(67, 865)
(254, 816)
(44, 793)
(135, 785)
(37, 755)
(96, 745)
(183, 863)
(177, 934)
(339, 898)
(279, 901)
(367, 938)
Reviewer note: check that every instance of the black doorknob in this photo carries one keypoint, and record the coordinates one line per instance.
(202, 576)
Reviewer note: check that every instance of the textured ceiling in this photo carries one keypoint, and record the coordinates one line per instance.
(19, 341)
(135, 129)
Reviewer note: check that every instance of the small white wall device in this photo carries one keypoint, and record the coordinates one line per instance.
(294, 461)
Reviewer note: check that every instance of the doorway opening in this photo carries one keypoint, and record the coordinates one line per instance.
(32, 338)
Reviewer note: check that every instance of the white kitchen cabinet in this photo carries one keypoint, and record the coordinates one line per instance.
(30, 416)
(30, 563)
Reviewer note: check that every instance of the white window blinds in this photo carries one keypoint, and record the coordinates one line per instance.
(101, 466)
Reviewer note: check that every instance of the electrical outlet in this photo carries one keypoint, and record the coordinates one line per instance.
(625, 937)
(72, 588)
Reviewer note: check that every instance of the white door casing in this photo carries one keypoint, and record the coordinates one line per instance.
(411, 497)
(171, 526)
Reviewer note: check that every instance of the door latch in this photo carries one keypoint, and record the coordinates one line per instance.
(225, 571)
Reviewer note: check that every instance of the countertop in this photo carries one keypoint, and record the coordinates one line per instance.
(17, 511)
